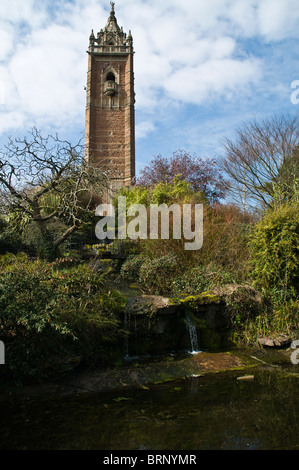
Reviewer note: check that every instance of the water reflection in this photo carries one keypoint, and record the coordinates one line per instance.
(210, 412)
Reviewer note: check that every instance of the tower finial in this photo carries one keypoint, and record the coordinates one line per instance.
(112, 5)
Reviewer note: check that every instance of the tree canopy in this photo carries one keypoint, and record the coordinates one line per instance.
(202, 175)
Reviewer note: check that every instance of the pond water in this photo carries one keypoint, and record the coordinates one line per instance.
(215, 411)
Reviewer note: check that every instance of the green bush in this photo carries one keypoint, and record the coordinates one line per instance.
(50, 319)
(67, 262)
(274, 247)
(34, 241)
(177, 190)
(275, 251)
(130, 269)
(10, 241)
(201, 278)
(157, 274)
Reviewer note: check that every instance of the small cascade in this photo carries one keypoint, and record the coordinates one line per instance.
(131, 337)
(192, 334)
(126, 328)
(144, 338)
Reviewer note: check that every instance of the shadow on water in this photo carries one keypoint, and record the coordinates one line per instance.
(215, 411)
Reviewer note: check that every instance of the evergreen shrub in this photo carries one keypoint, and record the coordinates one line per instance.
(51, 319)
(157, 274)
(275, 250)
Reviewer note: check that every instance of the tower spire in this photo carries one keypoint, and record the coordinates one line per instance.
(112, 21)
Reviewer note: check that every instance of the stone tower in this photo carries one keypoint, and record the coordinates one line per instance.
(110, 109)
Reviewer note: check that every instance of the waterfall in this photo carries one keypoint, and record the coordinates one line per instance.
(192, 334)
(142, 338)
(131, 332)
(126, 328)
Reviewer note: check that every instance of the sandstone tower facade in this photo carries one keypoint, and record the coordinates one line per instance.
(110, 103)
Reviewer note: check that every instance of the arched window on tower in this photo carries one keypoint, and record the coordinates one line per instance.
(110, 86)
(110, 77)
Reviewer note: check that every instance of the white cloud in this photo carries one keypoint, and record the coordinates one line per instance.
(212, 78)
(143, 128)
(243, 14)
(2, 92)
(11, 121)
(188, 68)
(47, 73)
(6, 40)
(45, 76)
(278, 19)
(20, 11)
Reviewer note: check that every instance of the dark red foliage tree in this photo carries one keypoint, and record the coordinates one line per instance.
(203, 175)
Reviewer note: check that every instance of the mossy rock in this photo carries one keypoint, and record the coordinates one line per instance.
(150, 305)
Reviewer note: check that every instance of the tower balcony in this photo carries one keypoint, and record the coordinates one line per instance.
(110, 88)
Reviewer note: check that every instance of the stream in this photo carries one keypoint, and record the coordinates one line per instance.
(213, 411)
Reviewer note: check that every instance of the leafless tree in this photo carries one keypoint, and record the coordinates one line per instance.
(45, 178)
(254, 160)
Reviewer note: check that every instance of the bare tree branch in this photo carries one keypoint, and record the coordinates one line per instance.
(254, 158)
(45, 178)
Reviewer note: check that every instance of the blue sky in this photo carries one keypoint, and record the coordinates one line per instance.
(201, 67)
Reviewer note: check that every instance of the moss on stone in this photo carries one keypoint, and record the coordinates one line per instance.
(200, 299)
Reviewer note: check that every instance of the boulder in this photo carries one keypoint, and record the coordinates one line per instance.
(275, 342)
